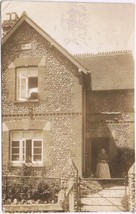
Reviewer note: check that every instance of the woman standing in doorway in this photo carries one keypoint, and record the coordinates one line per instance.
(102, 168)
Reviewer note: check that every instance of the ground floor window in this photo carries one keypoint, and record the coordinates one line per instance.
(26, 147)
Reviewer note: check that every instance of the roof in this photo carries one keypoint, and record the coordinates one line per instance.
(109, 71)
(27, 19)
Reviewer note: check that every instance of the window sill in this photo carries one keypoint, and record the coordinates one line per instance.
(26, 101)
(32, 165)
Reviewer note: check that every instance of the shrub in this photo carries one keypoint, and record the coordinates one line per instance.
(30, 187)
(45, 191)
(125, 203)
(123, 160)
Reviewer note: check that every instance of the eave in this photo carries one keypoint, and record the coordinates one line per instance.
(25, 18)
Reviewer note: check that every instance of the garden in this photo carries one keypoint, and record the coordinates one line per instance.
(27, 187)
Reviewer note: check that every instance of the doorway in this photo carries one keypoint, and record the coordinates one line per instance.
(96, 145)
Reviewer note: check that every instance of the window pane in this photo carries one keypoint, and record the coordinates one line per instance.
(21, 83)
(15, 143)
(37, 157)
(23, 151)
(37, 143)
(33, 71)
(37, 150)
(15, 157)
(32, 82)
(38, 134)
(21, 71)
(28, 151)
(33, 87)
(27, 135)
(15, 150)
(16, 135)
(23, 143)
(23, 156)
(23, 87)
(18, 88)
(27, 83)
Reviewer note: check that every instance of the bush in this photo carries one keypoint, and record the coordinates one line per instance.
(123, 160)
(125, 202)
(29, 188)
(45, 191)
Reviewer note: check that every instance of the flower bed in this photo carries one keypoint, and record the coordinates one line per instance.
(21, 189)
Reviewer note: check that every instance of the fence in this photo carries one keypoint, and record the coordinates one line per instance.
(70, 192)
(32, 188)
(31, 193)
(131, 183)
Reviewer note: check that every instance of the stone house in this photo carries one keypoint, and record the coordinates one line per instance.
(43, 89)
(110, 108)
(57, 107)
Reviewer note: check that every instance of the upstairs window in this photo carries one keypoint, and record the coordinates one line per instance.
(26, 147)
(27, 84)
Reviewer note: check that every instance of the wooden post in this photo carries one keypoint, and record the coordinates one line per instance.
(71, 201)
(131, 185)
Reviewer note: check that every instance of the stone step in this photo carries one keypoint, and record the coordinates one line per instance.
(99, 208)
(105, 199)
(102, 201)
(94, 201)
(112, 193)
(97, 195)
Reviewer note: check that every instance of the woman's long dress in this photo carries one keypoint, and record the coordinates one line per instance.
(102, 168)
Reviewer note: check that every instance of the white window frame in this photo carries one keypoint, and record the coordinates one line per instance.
(26, 90)
(17, 161)
(33, 161)
(19, 83)
(24, 151)
(21, 161)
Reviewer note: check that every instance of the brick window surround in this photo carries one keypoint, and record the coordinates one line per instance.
(27, 125)
(26, 147)
(23, 63)
(27, 83)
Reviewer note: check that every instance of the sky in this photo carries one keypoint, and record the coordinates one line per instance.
(82, 27)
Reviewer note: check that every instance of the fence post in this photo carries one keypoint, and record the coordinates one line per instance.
(75, 188)
(79, 195)
(62, 195)
(71, 201)
(131, 184)
(126, 183)
(6, 182)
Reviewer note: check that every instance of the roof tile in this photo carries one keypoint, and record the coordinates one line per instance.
(109, 71)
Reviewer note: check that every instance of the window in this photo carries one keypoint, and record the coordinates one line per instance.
(27, 84)
(26, 147)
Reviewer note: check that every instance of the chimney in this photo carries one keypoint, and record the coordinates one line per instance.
(9, 22)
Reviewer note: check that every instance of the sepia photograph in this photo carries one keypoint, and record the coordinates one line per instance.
(67, 94)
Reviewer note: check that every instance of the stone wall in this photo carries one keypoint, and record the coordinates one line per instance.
(122, 132)
(110, 114)
(109, 117)
(58, 77)
(59, 103)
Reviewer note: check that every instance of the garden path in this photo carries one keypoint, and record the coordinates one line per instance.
(107, 199)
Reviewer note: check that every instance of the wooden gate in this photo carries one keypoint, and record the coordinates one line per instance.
(103, 195)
